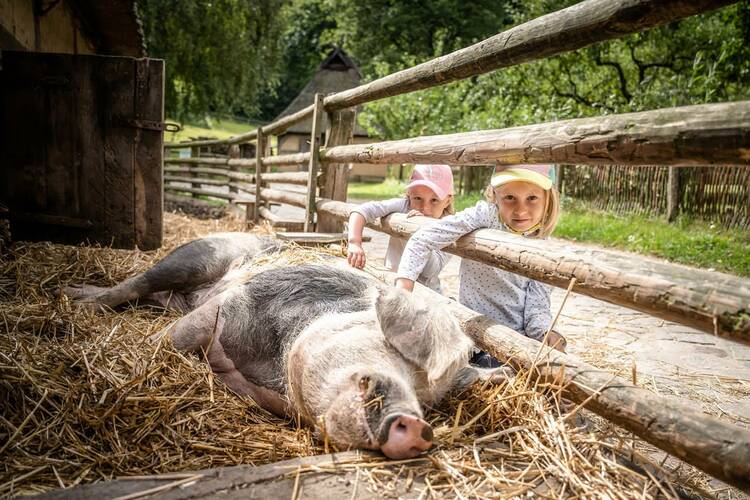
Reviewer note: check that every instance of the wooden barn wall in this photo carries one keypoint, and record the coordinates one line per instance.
(81, 159)
(55, 31)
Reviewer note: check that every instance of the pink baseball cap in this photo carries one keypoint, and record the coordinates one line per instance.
(439, 178)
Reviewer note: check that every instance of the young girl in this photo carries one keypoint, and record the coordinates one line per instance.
(521, 199)
(429, 193)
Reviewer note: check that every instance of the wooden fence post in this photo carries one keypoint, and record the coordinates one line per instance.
(559, 172)
(340, 132)
(312, 178)
(673, 193)
(259, 150)
(233, 153)
(195, 152)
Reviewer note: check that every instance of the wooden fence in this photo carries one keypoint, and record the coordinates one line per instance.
(691, 136)
(719, 194)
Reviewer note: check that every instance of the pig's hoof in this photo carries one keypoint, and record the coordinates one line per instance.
(497, 375)
(80, 292)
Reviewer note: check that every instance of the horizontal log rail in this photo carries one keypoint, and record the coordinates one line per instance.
(204, 192)
(229, 162)
(709, 301)
(578, 26)
(198, 170)
(286, 160)
(281, 196)
(195, 180)
(275, 128)
(707, 134)
(677, 426)
(282, 124)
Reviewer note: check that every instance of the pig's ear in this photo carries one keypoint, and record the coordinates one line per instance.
(428, 337)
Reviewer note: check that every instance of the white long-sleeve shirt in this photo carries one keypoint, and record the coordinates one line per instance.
(435, 260)
(517, 302)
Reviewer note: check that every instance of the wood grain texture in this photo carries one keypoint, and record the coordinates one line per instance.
(707, 134)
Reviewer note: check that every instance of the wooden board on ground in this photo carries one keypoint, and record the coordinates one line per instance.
(277, 221)
(312, 238)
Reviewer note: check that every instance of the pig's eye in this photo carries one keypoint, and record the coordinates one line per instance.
(364, 384)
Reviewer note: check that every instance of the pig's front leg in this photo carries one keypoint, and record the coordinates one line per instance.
(471, 374)
(200, 331)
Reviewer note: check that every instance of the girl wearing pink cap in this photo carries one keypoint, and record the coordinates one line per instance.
(429, 193)
(520, 199)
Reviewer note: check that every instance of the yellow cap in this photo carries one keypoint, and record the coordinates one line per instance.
(531, 173)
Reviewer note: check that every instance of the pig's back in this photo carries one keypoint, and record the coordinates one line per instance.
(268, 312)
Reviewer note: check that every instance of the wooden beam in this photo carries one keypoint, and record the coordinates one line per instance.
(197, 170)
(336, 174)
(231, 162)
(709, 301)
(706, 134)
(208, 182)
(237, 139)
(312, 171)
(281, 196)
(287, 160)
(197, 191)
(281, 125)
(578, 26)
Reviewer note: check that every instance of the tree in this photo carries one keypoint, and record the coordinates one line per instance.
(220, 55)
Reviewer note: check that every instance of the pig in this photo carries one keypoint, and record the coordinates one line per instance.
(355, 359)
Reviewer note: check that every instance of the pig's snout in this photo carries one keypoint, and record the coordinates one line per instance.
(407, 437)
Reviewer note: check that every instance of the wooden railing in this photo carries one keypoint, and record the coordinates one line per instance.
(712, 134)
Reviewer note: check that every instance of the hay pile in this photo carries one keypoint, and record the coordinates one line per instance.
(87, 398)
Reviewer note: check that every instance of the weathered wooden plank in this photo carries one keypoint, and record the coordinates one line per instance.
(115, 171)
(208, 182)
(280, 222)
(710, 301)
(336, 174)
(147, 174)
(305, 238)
(286, 160)
(280, 126)
(312, 178)
(237, 139)
(281, 196)
(231, 162)
(204, 192)
(707, 134)
(578, 26)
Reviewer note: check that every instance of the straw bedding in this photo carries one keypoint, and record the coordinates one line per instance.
(87, 398)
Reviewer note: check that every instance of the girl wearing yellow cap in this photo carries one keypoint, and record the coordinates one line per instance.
(521, 199)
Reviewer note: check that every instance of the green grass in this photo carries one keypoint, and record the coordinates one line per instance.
(691, 242)
(686, 241)
(215, 128)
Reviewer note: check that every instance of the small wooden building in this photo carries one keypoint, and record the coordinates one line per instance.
(81, 114)
(338, 72)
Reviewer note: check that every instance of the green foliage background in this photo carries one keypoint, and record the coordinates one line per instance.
(251, 57)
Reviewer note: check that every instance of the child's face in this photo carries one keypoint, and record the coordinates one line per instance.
(521, 204)
(426, 201)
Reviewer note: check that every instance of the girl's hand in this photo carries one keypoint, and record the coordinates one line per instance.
(356, 255)
(404, 284)
(414, 213)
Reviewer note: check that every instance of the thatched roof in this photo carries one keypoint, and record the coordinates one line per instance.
(113, 26)
(338, 72)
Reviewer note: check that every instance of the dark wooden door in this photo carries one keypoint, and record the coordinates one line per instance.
(81, 148)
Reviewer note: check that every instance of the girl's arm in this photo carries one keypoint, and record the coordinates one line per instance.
(364, 213)
(355, 255)
(437, 235)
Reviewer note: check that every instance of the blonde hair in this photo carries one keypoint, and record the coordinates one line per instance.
(551, 210)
